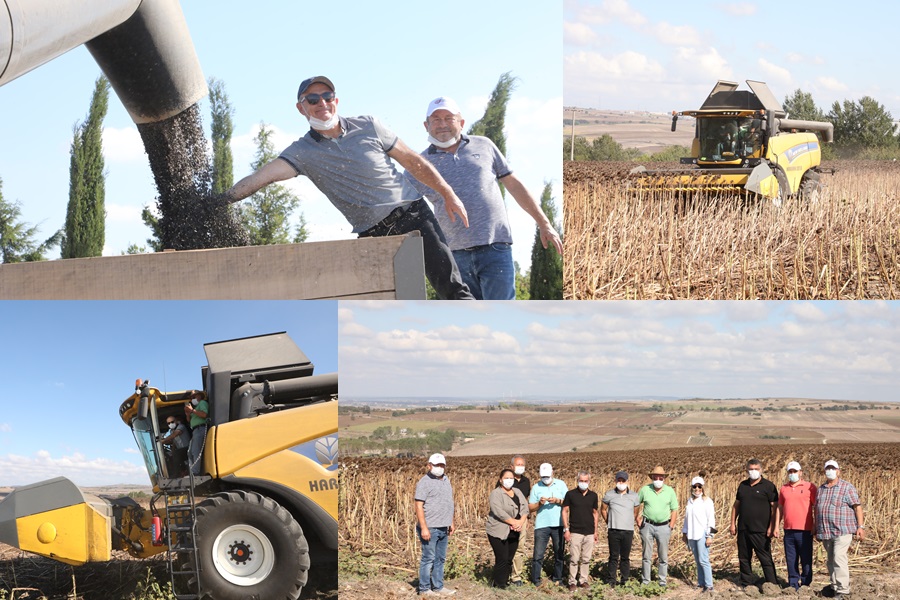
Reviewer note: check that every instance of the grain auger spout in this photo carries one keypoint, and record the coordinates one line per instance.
(744, 142)
(142, 46)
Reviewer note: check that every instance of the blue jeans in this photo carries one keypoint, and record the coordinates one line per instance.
(488, 271)
(542, 535)
(798, 551)
(434, 553)
(701, 557)
(198, 438)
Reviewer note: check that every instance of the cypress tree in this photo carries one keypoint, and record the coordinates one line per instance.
(546, 265)
(493, 123)
(222, 127)
(85, 231)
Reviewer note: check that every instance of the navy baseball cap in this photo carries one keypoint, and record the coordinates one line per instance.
(308, 82)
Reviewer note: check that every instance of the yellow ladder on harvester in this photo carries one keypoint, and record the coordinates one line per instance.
(181, 535)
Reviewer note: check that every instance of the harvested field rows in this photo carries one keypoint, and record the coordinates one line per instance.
(626, 244)
(378, 521)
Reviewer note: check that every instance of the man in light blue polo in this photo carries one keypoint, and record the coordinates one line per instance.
(474, 167)
(658, 515)
(546, 500)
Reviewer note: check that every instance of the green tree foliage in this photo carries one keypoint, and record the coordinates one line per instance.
(546, 264)
(86, 213)
(602, 148)
(152, 221)
(302, 233)
(669, 154)
(17, 243)
(265, 214)
(862, 125)
(222, 128)
(800, 106)
(522, 282)
(492, 124)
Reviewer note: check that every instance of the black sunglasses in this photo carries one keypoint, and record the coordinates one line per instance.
(314, 98)
(696, 486)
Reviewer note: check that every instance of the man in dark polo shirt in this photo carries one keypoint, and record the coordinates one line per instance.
(753, 521)
(579, 516)
(524, 485)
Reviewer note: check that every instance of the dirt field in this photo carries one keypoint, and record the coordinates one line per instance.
(648, 132)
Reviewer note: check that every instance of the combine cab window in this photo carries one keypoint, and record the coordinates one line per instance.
(728, 139)
(143, 435)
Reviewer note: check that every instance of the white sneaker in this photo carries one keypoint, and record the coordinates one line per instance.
(428, 593)
(445, 591)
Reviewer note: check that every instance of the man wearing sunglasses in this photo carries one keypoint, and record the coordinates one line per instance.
(350, 160)
(474, 167)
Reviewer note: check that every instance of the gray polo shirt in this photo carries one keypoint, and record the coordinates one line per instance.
(473, 172)
(437, 494)
(621, 509)
(354, 171)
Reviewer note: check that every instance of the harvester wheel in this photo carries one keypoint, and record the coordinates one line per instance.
(250, 547)
(810, 186)
(784, 188)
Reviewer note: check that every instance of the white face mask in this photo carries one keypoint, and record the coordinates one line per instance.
(195, 402)
(508, 483)
(697, 493)
(440, 144)
(583, 485)
(830, 474)
(437, 471)
(321, 125)
(753, 474)
(658, 483)
(519, 470)
(621, 486)
(172, 425)
(546, 480)
(793, 477)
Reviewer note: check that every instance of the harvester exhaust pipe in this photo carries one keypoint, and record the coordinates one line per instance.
(826, 129)
(142, 46)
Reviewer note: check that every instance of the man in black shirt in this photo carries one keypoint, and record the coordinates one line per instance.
(524, 485)
(753, 520)
(579, 516)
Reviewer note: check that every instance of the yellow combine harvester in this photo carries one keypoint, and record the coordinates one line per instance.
(267, 497)
(743, 140)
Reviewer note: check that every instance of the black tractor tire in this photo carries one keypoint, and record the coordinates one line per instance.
(810, 187)
(249, 548)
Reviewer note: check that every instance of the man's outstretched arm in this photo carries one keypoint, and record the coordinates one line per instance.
(276, 170)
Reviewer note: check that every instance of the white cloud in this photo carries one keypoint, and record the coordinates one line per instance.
(807, 311)
(578, 34)
(22, 470)
(739, 10)
(122, 145)
(622, 11)
(701, 65)
(131, 451)
(5, 428)
(676, 35)
(831, 84)
(774, 73)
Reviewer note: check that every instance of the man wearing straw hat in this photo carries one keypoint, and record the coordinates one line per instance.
(839, 516)
(659, 511)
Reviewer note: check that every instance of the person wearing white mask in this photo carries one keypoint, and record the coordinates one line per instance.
(619, 508)
(659, 511)
(546, 500)
(579, 515)
(434, 524)
(796, 507)
(506, 521)
(351, 161)
(523, 484)
(176, 444)
(474, 167)
(839, 516)
(197, 410)
(698, 530)
(753, 521)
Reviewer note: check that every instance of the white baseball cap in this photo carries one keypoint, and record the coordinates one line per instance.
(442, 103)
(437, 459)
(794, 466)
(697, 480)
(832, 463)
(546, 470)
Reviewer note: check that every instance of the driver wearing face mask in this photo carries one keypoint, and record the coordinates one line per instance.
(198, 412)
(753, 521)
(796, 504)
(176, 442)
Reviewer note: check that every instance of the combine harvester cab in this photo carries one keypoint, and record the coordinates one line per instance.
(264, 505)
(744, 142)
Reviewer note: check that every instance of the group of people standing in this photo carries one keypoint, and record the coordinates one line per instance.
(831, 512)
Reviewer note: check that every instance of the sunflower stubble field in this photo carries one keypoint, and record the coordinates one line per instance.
(378, 523)
(625, 243)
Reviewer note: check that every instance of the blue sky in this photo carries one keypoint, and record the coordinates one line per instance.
(652, 56)
(833, 350)
(65, 368)
(386, 59)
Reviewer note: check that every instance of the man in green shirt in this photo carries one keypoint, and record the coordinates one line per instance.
(197, 410)
(659, 511)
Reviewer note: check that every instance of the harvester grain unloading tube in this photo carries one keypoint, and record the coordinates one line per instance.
(54, 518)
(143, 47)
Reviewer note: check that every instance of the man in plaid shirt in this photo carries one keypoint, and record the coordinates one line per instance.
(839, 517)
